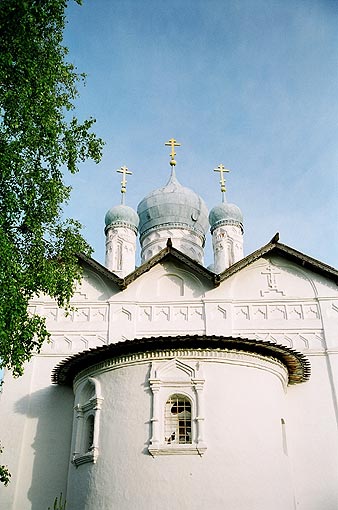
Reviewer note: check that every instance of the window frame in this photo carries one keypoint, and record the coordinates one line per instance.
(172, 422)
(86, 408)
(176, 378)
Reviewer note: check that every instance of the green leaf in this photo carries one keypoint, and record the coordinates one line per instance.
(37, 141)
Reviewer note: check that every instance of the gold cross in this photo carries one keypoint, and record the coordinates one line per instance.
(221, 169)
(124, 171)
(172, 143)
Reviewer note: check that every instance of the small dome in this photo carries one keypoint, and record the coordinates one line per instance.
(225, 214)
(173, 206)
(122, 215)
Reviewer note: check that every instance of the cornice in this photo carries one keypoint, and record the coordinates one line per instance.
(229, 357)
(297, 365)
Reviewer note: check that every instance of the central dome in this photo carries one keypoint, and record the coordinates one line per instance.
(173, 206)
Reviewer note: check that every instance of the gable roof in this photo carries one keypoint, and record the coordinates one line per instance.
(98, 268)
(171, 253)
(167, 253)
(274, 247)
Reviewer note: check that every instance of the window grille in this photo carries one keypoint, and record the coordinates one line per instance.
(177, 419)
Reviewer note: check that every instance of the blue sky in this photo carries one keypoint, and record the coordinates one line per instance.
(249, 83)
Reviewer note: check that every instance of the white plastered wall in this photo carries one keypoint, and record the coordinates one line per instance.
(244, 406)
(36, 416)
(271, 300)
(35, 430)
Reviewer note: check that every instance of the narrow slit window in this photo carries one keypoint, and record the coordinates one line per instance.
(178, 420)
(89, 433)
(284, 438)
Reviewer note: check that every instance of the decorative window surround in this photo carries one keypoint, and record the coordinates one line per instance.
(166, 379)
(89, 405)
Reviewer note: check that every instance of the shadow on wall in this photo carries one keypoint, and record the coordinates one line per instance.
(53, 408)
(148, 423)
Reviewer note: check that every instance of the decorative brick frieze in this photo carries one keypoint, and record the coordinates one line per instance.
(171, 313)
(303, 340)
(78, 314)
(66, 343)
(277, 311)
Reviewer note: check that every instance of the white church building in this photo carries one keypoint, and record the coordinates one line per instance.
(173, 386)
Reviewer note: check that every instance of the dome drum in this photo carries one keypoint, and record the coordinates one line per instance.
(123, 224)
(223, 222)
(173, 225)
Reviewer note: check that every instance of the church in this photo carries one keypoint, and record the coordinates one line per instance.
(176, 386)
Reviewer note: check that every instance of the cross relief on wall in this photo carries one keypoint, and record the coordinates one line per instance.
(271, 282)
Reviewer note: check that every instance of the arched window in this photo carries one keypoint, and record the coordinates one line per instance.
(87, 423)
(177, 420)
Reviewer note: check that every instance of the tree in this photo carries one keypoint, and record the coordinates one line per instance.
(59, 504)
(4, 472)
(39, 139)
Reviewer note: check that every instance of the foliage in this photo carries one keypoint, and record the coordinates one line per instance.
(4, 473)
(39, 139)
(59, 504)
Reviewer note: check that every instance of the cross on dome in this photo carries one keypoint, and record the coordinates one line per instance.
(221, 169)
(172, 143)
(124, 171)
